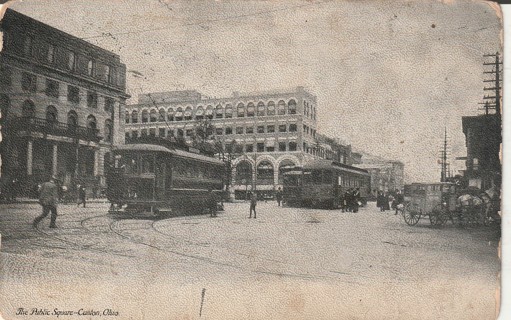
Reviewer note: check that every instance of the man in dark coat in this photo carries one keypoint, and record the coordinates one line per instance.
(253, 203)
(82, 196)
(279, 196)
(212, 203)
(348, 200)
(48, 197)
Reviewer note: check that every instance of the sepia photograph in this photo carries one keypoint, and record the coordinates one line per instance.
(294, 159)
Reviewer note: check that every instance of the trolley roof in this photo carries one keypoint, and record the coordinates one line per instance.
(174, 152)
(329, 164)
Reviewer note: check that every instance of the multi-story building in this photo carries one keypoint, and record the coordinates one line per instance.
(62, 101)
(386, 175)
(483, 138)
(274, 130)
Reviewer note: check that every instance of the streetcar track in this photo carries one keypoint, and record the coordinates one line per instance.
(82, 247)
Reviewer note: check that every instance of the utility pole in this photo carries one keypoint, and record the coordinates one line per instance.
(495, 84)
(443, 159)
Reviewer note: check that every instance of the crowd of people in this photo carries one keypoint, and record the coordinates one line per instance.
(389, 200)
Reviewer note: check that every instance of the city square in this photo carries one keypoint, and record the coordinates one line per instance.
(251, 159)
(286, 258)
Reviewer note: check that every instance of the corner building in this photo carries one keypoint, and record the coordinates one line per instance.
(275, 129)
(62, 101)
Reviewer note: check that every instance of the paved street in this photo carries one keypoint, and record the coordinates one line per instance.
(288, 263)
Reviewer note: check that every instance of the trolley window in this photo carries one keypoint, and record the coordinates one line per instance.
(327, 177)
(316, 176)
(147, 163)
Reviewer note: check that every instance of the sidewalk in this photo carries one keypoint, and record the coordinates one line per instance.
(22, 200)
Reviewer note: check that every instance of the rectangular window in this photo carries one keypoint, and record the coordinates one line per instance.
(51, 53)
(270, 129)
(126, 136)
(52, 88)
(108, 74)
(92, 99)
(292, 127)
(161, 132)
(228, 130)
(282, 128)
(270, 149)
(219, 131)
(71, 62)
(109, 104)
(260, 129)
(28, 82)
(170, 132)
(282, 146)
(144, 133)
(28, 46)
(249, 130)
(90, 68)
(152, 132)
(5, 75)
(73, 94)
(239, 130)
(249, 148)
(292, 146)
(260, 147)
(134, 134)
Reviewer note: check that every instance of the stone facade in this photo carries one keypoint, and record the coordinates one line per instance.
(273, 129)
(62, 101)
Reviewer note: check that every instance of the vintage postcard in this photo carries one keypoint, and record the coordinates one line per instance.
(171, 159)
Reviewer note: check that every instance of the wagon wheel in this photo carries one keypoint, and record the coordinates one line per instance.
(438, 215)
(412, 214)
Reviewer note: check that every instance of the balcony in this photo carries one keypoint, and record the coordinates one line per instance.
(56, 128)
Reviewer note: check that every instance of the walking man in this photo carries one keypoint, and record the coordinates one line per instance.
(48, 196)
(253, 203)
(212, 203)
(81, 196)
(279, 196)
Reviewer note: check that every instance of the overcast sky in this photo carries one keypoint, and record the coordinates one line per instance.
(389, 75)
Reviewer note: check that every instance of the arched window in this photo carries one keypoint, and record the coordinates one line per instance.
(153, 116)
(170, 114)
(219, 112)
(51, 115)
(244, 173)
(179, 114)
(271, 108)
(291, 106)
(188, 113)
(28, 109)
(241, 110)
(285, 165)
(72, 120)
(199, 113)
(265, 172)
(145, 116)
(91, 122)
(209, 112)
(127, 116)
(250, 110)
(162, 116)
(228, 111)
(281, 108)
(108, 130)
(261, 110)
(134, 116)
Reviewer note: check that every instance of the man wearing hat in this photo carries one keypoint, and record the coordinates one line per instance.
(48, 198)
